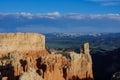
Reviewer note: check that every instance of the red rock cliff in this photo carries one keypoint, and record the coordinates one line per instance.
(23, 51)
(22, 42)
(81, 65)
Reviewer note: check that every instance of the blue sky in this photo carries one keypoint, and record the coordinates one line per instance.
(62, 6)
(60, 16)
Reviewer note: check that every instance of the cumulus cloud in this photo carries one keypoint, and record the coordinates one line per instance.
(93, 16)
(54, 13)
(18, 14)
(75, 16)
(28, 15)
(51, 15)
(109, 16)
(70, 22)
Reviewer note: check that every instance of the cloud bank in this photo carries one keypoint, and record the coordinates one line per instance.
(56, 22)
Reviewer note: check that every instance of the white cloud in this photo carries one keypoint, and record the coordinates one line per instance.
(54, 13)
(28, 15)
(18, 14)
(65, 22)
(94, 16)
(75, 16)
(109, 16)
(57, 15)
(114, 16)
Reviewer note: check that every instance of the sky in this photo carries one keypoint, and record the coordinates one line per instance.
(62, 6)
(60, 15)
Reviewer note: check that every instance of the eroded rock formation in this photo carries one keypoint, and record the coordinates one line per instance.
(29, 52)
(81, 64)
(21, 42)
(30, 75)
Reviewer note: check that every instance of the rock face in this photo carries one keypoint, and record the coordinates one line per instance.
(29, 52)
(51, 66)
(81, 65)
(30, 75)
(21, 42)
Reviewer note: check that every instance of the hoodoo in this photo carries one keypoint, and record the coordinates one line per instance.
(21, 52)
(81, 65)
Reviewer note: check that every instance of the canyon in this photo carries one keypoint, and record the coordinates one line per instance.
(21, 53)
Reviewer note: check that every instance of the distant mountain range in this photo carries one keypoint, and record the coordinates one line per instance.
(107, 41)
(55, 34)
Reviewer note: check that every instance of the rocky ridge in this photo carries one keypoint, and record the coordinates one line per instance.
(21, 42)
(20, 58)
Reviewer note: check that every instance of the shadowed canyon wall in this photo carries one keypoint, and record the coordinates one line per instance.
(23, 51)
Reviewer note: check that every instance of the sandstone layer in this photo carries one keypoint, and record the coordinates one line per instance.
(21, 42)
(29, 52)
(81, 64)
